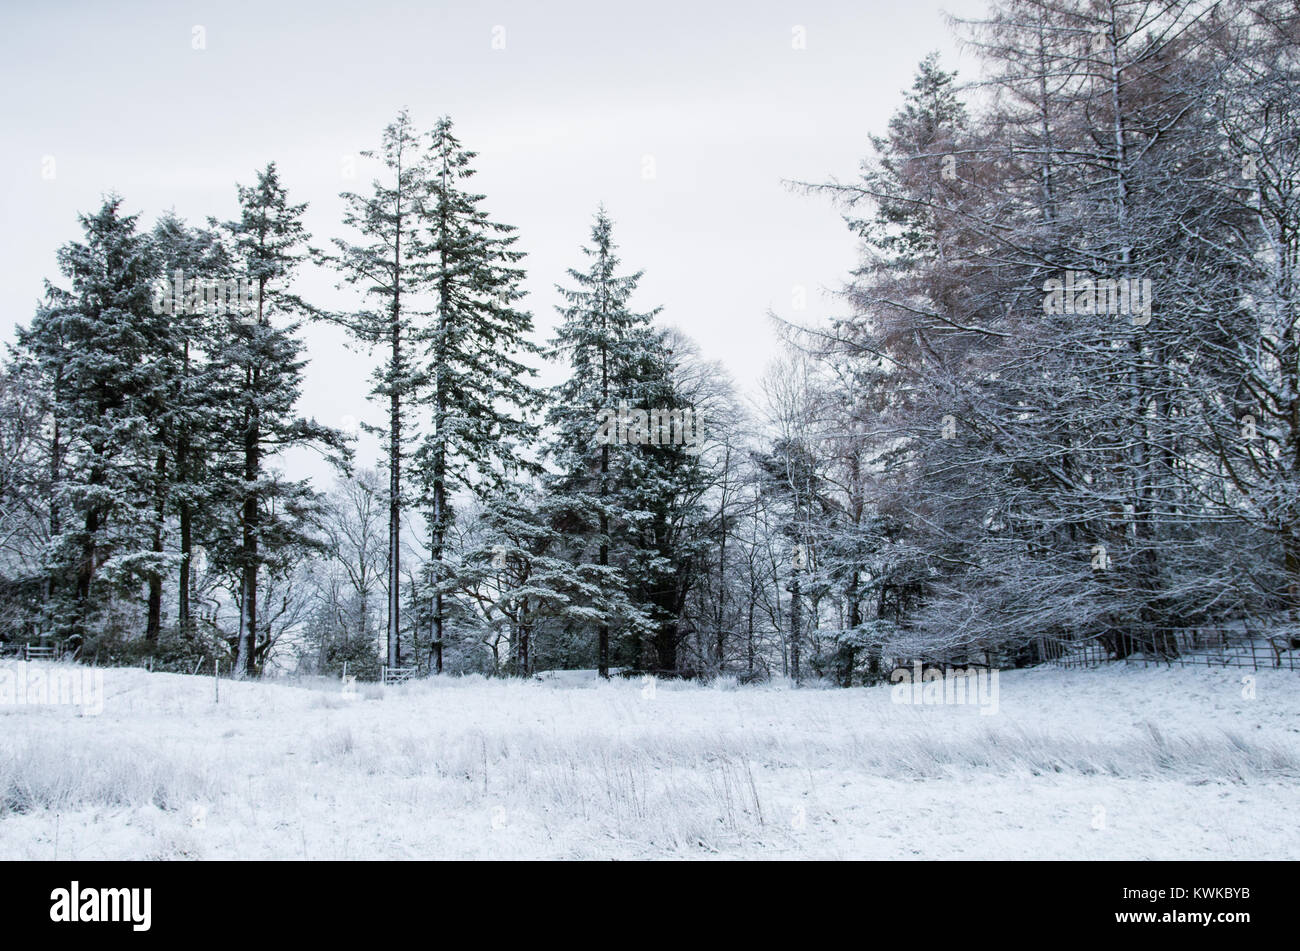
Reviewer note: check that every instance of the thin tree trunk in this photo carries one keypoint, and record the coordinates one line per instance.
(796, 625)
(394, 516)
(438, 532)
(720, 636)
(55, 475)
(603, 643)
(183, 476)
(245, 659)
(86, 568)
(855, 619)
(395, 448)
(153, 622)
(604, 559)
(523, 661)
(186, 568)
(439, 508)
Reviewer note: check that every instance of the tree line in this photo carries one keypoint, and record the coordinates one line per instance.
(1060, 401)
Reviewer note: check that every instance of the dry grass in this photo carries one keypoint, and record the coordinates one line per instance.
(485, 768)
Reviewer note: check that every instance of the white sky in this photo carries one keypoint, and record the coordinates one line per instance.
(562, 118)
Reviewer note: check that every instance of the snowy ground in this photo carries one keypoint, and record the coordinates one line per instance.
(1109, 763)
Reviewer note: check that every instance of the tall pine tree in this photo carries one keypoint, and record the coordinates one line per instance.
(606, 346)
(100, 347)
(259, 362)
(392, 269)
(481, 396)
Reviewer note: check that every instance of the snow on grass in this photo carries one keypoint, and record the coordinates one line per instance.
(1123, 762)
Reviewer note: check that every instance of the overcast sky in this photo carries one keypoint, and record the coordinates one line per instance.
(714, 97)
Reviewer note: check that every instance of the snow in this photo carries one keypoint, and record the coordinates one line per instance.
(1115, 762)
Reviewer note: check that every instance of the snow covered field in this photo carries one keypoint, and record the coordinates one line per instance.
(1123, 762)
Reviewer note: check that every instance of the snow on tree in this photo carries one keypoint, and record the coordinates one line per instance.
(480, 396)
(258, 367)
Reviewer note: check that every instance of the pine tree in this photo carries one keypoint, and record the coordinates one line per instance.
(666, 484)
(188, 417)
(100, 349)
(626, 445)
(392, 268)
(480, 398)
(259, 366)
(603, 342)
(520, 572)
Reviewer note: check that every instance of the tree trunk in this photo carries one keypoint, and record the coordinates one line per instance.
(55, 474)
(603, 646)
(524, 633)
(186, 568)
(245, 662)
(394, 525)
(440, 432)
(855, 619)
(749, 636)
(666, 645)
(153, 622)
(439, 506)
(183, 476)
(720, 646)
(395, 449)
(1291, 553)
(86, 567)
(796, 626)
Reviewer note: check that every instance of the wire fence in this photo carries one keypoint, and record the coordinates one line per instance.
(1194, 647)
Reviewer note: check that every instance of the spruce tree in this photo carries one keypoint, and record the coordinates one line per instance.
(665, 481)
(480, 397)
(100, 349)
(188, 417)
(606, 345)
(391, 268)
(522, 574)
(259, 364)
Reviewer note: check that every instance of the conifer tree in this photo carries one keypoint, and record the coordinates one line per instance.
(603, 341)
(188, 417)
(480, 397)
(627, 447)
(99, 346)
(392, 269)
(259, 364)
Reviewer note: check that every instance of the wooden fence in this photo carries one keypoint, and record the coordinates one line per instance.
(1196, 647)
